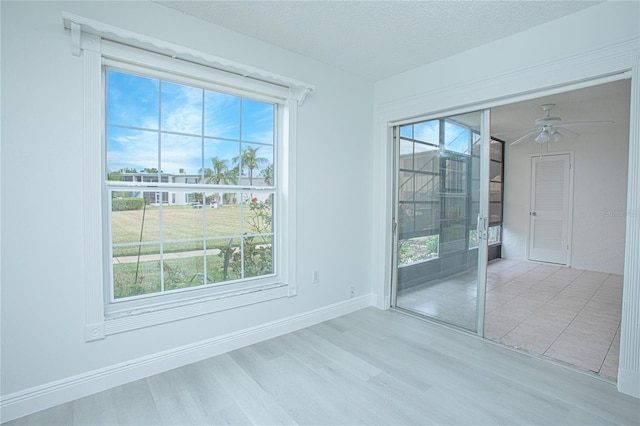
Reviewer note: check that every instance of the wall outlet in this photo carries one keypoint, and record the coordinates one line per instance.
(352, 292)
(315, 277)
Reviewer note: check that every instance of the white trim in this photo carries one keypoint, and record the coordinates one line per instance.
(92, 170)
(629, 361)
(629, 382)
(299, 89)
(39, 398)
(134, 60)
(586, 69)
(288, 224)
(527, 96)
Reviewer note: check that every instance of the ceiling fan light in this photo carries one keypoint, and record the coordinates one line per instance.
(542, 137)
(556, 136)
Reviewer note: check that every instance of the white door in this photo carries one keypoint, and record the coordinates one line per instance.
(549, 215)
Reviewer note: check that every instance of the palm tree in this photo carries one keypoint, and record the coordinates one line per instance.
(219, 172)
(249, 159)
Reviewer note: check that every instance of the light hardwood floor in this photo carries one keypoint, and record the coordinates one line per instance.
(369, 367)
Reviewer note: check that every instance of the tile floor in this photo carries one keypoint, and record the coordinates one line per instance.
(569, 315)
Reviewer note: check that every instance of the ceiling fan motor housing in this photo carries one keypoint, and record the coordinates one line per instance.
(547, 121)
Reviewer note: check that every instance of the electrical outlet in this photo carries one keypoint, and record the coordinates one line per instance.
(315, 277)
(352, 292)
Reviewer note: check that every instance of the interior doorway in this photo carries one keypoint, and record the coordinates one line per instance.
(535, 302)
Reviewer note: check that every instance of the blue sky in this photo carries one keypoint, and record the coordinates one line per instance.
(140, 109)
(456, 138)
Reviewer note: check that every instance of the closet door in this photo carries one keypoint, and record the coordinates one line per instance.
(549, 215)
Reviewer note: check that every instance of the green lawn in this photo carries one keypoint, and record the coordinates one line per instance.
(137, 276)
(178, 223)
(178, 273)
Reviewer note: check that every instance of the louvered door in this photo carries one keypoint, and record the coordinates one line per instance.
(549, 215)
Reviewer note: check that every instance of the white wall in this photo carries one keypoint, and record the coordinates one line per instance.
(42, 241)
(599, 197)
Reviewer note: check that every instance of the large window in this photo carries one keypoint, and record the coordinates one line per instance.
(180, 135)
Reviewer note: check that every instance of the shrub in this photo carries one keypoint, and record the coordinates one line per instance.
(121, 204)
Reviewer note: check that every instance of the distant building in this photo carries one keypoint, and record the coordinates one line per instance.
(183, 197)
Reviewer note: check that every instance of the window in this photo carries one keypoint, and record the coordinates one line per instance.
(150, 168)
(183, 134)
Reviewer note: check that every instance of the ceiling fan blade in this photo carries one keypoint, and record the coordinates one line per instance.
(585, 124)
(523, 138)
(566, 131)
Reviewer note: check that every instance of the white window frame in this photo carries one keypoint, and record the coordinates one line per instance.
(96, 42)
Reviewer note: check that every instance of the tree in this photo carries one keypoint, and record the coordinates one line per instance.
(150, 170)
(267, 174)
(219, 172)
(114, 176)
(251, 161)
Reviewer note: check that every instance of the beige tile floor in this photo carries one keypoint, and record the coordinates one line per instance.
(569, 315)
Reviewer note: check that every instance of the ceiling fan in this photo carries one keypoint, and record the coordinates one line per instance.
(551, 128)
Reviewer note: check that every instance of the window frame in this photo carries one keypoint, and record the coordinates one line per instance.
(161, 186)
(87, 41)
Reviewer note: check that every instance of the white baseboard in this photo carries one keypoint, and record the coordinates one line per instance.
(629, 382)
(39, 398)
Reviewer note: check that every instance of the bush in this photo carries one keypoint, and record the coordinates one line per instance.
(122, 204)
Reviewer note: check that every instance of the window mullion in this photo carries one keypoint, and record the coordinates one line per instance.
(205, 279)
(161, 218)
(240, 166)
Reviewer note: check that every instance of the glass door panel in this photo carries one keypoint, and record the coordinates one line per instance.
(438, 201)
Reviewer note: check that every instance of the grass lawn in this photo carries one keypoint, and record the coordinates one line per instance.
(178, 273)
(179, 223)
(137, 276)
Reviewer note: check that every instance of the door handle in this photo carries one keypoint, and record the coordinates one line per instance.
(534, 214)
(481, 228)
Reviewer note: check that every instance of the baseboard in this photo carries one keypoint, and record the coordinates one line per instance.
(629, 382)
(49, 395)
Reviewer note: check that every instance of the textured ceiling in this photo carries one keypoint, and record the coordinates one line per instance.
(377, 39)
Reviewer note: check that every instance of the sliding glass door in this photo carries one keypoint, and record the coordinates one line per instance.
(440, 218)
